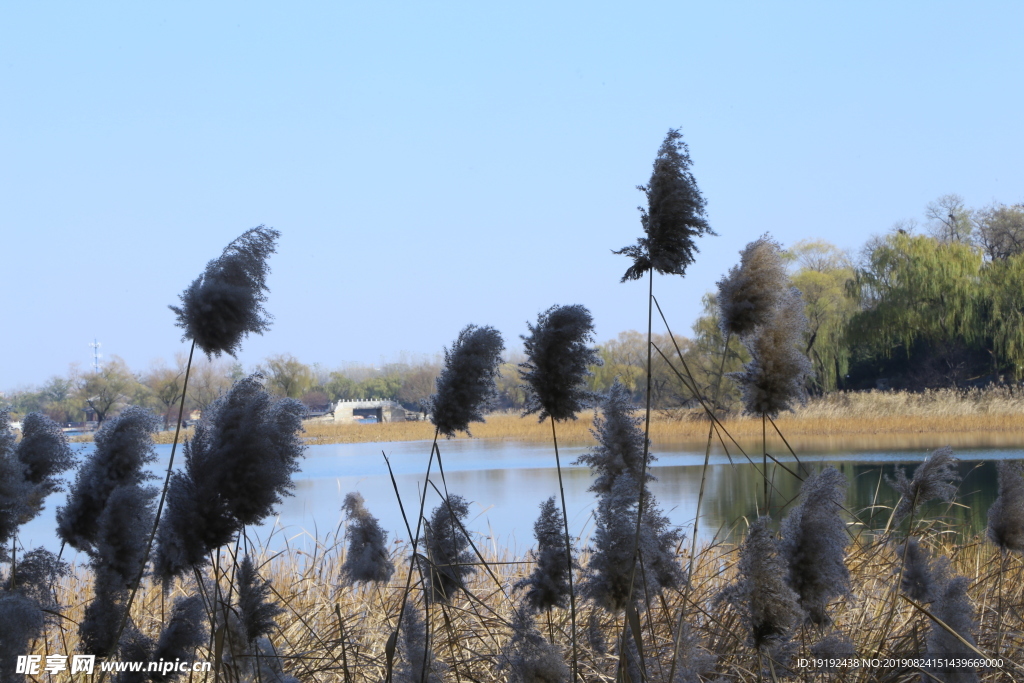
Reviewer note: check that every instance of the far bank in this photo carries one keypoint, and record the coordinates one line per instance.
(991, 417)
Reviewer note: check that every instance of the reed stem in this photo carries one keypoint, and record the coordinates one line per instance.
(568, 558)
(159, 507)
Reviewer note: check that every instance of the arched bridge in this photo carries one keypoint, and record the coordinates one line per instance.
(385, 410)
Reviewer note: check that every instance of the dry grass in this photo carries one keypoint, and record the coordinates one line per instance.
(987, 418)
(876, 419)
(470, 634)
(329, 632)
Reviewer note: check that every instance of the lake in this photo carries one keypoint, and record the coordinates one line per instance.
(505, 482)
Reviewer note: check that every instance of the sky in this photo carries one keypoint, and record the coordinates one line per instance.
(432, 165)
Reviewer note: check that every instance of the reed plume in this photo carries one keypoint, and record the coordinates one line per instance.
(558, 358)
(238, 466)
(367, 558)
(953, 608)
(556, 370)
(620, 442)
(449, 561)
(528, 657)
(774, 378)
(922, 576)
(184, 632)
(15, 490)
(547, 585)
(117, 557)
(38, 569)
(418, 663)
(465, 387)
(768, 607)
(675, 214)
(693, 662)
(123, 447)
(136, 647)
(752, 290)
(932, 479)
(1006, 516)
(22, 621)
(45, 454)
(225, 302)
(254, 611)
(107, 515)
(618, 460)
(814, 541)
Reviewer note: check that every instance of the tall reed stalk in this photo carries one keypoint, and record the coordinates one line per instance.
(219, 308)
(673, 219)
(558, 358)
(465, 388)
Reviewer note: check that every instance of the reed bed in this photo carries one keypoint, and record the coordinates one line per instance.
(984, 418)
(331, 632)
(990, 417)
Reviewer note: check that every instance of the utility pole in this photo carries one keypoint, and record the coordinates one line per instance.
(96, 355)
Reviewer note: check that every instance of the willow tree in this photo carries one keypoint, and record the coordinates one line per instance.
(1003, 287)
(822, 277)
(711, 361)
(916, 288)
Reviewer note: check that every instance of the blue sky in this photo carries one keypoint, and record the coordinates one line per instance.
(434, 166)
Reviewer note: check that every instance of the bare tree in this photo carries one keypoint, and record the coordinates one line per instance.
(166, 384)
(950, 218)
(208, 381)
(1000, 230)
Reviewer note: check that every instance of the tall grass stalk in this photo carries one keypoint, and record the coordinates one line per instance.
(219, 308)
(556, 369)
(163, 497)
(568, 558)
(414, 541)
(700, 499)
(674, 218)
(304, 584)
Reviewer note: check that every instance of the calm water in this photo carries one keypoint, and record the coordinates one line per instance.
(505, 482)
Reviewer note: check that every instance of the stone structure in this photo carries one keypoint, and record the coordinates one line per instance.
(385, 410)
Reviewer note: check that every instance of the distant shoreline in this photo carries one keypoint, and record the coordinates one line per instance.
(802, 433)
(835, 422)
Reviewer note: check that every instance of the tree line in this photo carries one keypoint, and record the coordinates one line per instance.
(925, 305)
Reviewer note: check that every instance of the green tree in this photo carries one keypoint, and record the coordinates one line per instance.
(511, 390)
(709, 360)
(339, 387)
(25, 401)
(1003, 286)
(918, 287)
(418, 384)
(166, 385)
(822, 276)
(287, 376)
(59, 401)
(624, 358)
(920, 297)
(105, 389)
(386, 386)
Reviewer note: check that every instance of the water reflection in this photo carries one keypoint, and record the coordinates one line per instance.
(506, 482)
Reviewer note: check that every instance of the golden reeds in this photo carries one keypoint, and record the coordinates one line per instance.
(875, 419)
(992, 417)
(328, 629)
